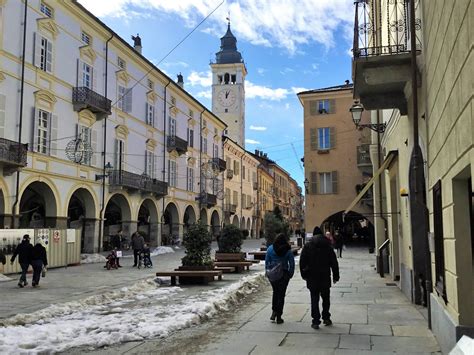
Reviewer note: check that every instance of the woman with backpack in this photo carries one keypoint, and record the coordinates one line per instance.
(280, 267)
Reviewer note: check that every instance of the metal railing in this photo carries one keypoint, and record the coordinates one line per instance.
(83, 97)
(178, 144)
(363, 155)
(12, 152)
(383, 27)
(138, 182)
(230, 208)
(220, 164)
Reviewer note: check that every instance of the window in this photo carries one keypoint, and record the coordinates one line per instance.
(46, 10)
(215, 151)
(323, 106)
(43, 53)
(440, 284)
(235, 198)
(84, 133)
(191, 137)
(150, 84)
(85, 38)
(227, 195)
(219, 79)
(150, 164)
(119, 154)
(121, 63)
(190, 179)
(87, 75)
(172, 173)
(249, 201)
(2, 115)
(216, 132)
(328, 183)
(243, 200)
(204, 145)
(124, 102)
(42, 133)
(172, 127)
(150, 114)
(243, 172)
(236, 167)
(233, 79)
(324, 140)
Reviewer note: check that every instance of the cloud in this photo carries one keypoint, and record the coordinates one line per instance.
(287, 106)
(200, 79)
(261, 71)
(175, 64)
(205, 94)
(257, 128)
(251, 141)
(272, 23)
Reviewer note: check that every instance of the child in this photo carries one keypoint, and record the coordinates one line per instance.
(146, 256)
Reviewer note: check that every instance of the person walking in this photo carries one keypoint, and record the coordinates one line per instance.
(117, 244)
(39, 261)
(317, 261)
(338, 242)
(280, 266)
(23, 250)
(138, 243)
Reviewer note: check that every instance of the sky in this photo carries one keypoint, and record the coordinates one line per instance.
(288, 46)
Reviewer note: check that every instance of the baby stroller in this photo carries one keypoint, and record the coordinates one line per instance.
(144, 259)
(111, 262)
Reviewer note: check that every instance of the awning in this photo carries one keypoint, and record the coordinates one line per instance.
(391, 155)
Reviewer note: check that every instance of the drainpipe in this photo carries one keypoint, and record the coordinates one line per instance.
(241, 188)
(165, 141)
(104, 145)
(20, 125)
(200, 162)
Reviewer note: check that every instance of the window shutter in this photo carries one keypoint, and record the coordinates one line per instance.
(146, 163)
(37, 50)
(49, 57)
(116, 154)
(332, 137)
(128, 100)
(147, 113)
(78, 73)
(332, 106)
(313, 107)
(169, 172)
(2, 115)
(335, 186)
(94, 146)
(314, 183)
(313, 138)
(152, 123)
(53, 135)
(34, 137)
(94, 79)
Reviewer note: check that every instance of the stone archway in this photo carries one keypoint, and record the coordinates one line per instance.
(148, 221)
(203, 217)
(354, 227)
(117, 217)
(189, 218)
(170, 222)
(248, 226)
(2, 209)
(38, 206)
(242, 223)
(215, 225)
(81, 213)
(235, 221)
(227, 220)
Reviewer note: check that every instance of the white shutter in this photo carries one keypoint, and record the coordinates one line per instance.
(94, 146)
(34, 136)
(116, 154)
(53, 135)
(121, 98)
(152, 115)
(94, 79)
(147, 113)
(146, 163)
(128, 100)
(49, 57)
(37, 50)
(2, 115)
(78, 73)
(152, 165)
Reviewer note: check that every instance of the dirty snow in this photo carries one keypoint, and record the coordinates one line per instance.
(4, 278)
(92, 258)
(161, 250)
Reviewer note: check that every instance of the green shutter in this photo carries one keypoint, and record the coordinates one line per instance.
(332, 137)
(313, 138)
(313, 107)
(335, 186)
(332, 106)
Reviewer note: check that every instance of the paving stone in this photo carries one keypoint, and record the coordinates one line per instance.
(394, 315)
(404, 345)
(371, 329)
(411, 331)
(355, 342)
(315, 341)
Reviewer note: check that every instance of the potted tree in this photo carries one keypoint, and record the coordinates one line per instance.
(230, 244)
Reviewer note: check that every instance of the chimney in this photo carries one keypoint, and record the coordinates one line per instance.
(137, 43)
(180, 80)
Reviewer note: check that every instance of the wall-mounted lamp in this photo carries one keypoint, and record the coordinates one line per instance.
(306, 185)
(108, 169)
(356, 112)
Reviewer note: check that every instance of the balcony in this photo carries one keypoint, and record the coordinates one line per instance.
(363, 156)
(177, 144)
(230, 174)
(12, 155)
(230, 208)
(207, 199)
(219, 163)
(381, 66)
(135, 182)
(85, 98)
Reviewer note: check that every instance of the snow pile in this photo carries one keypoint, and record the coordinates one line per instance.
(4, 278)
(161, 250)
(130, 314)
(92, 258)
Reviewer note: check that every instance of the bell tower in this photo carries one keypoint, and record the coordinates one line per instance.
(228, 87)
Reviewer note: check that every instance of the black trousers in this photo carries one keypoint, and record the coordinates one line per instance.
(325, 295)
(136, 253)
(24, 270)
(37, 268)
(279, 292)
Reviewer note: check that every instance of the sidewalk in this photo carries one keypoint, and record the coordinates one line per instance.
(369, 315)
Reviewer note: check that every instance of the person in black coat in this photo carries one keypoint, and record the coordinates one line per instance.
(38, 261)
(338, 242)
(23, 250)
(317, 261)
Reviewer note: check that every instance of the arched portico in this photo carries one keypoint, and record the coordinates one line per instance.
(117, 214)
(203, 217)
(235, 221)
(170, 222)
(189, 218)
(148, 221)
(38, 206)
(215, 225)
(81, 215)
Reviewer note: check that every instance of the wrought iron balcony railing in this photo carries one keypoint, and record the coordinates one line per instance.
(12, 153)
(219, 163)
(230, 208)
(383, 27)
(363, 155)
(142, 183)
(178, 144)
(85, 98)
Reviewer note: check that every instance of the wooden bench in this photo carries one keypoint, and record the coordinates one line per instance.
(258, 255)
(205, 275)
(239, 265)
(225, 269)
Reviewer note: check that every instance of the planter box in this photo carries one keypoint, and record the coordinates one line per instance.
(230, 256)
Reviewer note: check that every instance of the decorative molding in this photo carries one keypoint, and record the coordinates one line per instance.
(217, 138)
(3, 2)
(191, 162)
(173, 110)
(174, 154)
(122, 75)
(2, 76)
(87, 118)
(45, 98)
(152, 96)
(205, 131)
(192, 122)
(121, 132)
(87, 52)
(48, 25)
(150, 144)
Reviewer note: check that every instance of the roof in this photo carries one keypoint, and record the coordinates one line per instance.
(141, 56)
(228, 53)
(328, 89)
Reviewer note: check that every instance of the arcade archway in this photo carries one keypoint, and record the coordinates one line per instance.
(215, 225)
(148, 222)
(170, 230)
(189, 218)
(38, 206)
(81, 212)
(117, 212)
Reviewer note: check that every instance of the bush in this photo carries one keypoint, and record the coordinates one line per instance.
(230, 240)
(197, 242)
(273, 226)
(245, 233)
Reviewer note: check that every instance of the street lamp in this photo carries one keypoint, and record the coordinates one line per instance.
(306, 185)
(108, 168)
(356, 112)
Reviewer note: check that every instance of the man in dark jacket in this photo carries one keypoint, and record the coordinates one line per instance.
(23, 250)
(138, 243)
(38, 261)
(316, 263)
